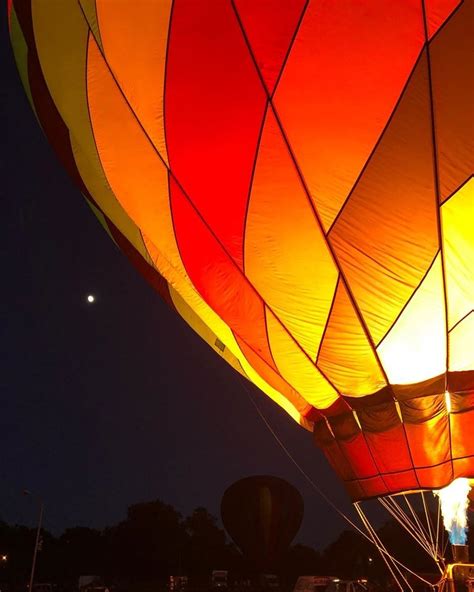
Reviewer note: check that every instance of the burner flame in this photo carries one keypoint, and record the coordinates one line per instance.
(454, 503)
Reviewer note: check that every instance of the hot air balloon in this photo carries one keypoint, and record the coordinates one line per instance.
(296, 179)
(262, 514)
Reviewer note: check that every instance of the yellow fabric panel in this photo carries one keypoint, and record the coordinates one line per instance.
(286, 255)
(192, 301)
(89, 9)
(101, 218)
(387, 235)
(64, 71)
(139, 179)
(138, 59)
(20, 51)
(461, 345)
(457, 219)
(203, 330)
(346, 356)
(95, 181)
(296, 368)
(61, 33)
(137, 175)
(415, 348)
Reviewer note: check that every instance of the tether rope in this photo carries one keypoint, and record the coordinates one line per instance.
(321, 493)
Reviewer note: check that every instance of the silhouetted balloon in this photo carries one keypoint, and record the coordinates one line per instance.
(262, 514)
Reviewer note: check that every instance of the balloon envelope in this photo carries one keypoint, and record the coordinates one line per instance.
(262, 514)
(295, 178)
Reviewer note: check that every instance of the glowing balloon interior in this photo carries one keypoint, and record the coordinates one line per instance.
(296, 180)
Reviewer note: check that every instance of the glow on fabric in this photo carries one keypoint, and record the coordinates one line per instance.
(296, 180)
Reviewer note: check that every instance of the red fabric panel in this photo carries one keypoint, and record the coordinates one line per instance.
(269, 27)
(401, 481)
(339, 462)
(358, 454)
(390, 449)
(374, 487)
(212, 84)
(355, 490)
(437, 11)
(219, 281)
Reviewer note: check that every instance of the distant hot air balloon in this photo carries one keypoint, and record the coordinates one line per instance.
(296, 179)
(262, 514)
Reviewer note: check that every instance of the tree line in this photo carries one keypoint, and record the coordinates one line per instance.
(155, 541)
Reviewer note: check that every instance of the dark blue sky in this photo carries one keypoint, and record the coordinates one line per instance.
(118, 402)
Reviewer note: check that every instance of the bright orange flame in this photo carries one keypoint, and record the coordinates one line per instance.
(454, 503)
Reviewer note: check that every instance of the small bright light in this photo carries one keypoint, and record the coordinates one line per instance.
(4, 557)
(90, 298)
(447, 400)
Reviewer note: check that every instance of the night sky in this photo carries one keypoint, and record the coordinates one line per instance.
(117, 402)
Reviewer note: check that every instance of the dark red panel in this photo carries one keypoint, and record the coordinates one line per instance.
(390, 449)
(338, 461)
(358, 454)
(401, 481)
(212, 85)
(374, 487)
(23, 12)
(218, 280)
(270, 26)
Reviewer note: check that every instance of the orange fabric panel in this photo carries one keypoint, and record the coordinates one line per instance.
(133, 169)
(136, 54)
(387, 235)
(286, 255)
(346, 355)
(435, 477)
(452, 67)
(464, 467)
(462, 430)
(429, 441)
(269, 374)
(333, 107)
(296, 367)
